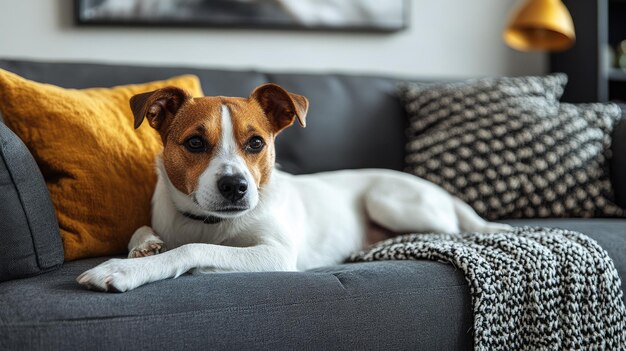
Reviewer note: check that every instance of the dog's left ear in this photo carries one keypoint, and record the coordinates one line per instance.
(281, 106)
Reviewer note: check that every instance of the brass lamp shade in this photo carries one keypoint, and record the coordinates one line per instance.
(544, 25)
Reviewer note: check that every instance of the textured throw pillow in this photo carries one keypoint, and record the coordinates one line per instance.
(510, 150)
(99, 170)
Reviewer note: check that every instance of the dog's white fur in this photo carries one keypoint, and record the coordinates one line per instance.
(293, 222)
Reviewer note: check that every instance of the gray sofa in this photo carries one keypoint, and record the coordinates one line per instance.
(354, 122)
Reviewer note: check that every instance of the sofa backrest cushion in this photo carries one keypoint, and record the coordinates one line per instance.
(353, 121)
(29, 233)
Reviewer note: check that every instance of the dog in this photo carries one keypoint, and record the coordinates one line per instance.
(220, 205)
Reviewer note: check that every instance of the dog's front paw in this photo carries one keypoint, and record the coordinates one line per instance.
(148, 248)
(115, 275)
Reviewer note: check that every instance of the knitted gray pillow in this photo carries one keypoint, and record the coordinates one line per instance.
(510, 150)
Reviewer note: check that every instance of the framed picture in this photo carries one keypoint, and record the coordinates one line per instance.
(336, 15)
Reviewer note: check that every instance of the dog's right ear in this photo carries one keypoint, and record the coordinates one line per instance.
(158, 106)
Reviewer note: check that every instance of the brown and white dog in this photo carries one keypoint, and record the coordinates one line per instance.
(221, 206)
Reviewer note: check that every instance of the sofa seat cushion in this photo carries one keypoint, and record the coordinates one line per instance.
(393, 305)
(379, 305)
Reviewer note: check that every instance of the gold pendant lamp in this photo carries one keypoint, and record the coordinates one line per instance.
(540, 25)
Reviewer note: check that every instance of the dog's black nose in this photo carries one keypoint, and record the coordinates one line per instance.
(233, 188)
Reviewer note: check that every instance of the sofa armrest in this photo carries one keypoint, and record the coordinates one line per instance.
(618, 161)
(29, 232)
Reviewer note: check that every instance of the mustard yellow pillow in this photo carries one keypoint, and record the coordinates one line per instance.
(99, 170)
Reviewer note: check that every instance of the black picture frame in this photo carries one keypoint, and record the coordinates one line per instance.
(231, 21)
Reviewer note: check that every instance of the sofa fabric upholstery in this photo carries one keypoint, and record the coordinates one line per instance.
(29, 233)
(420, 305)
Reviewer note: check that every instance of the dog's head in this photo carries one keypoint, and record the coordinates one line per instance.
(218, 151)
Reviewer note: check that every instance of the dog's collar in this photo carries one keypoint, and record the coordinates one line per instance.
(203, 219)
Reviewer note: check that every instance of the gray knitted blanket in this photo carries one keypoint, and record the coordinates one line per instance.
(532, 288)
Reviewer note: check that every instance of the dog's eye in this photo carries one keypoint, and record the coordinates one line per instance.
(255, 144)
(195, 144)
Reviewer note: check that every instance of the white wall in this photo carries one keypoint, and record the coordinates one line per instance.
(446, 38)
